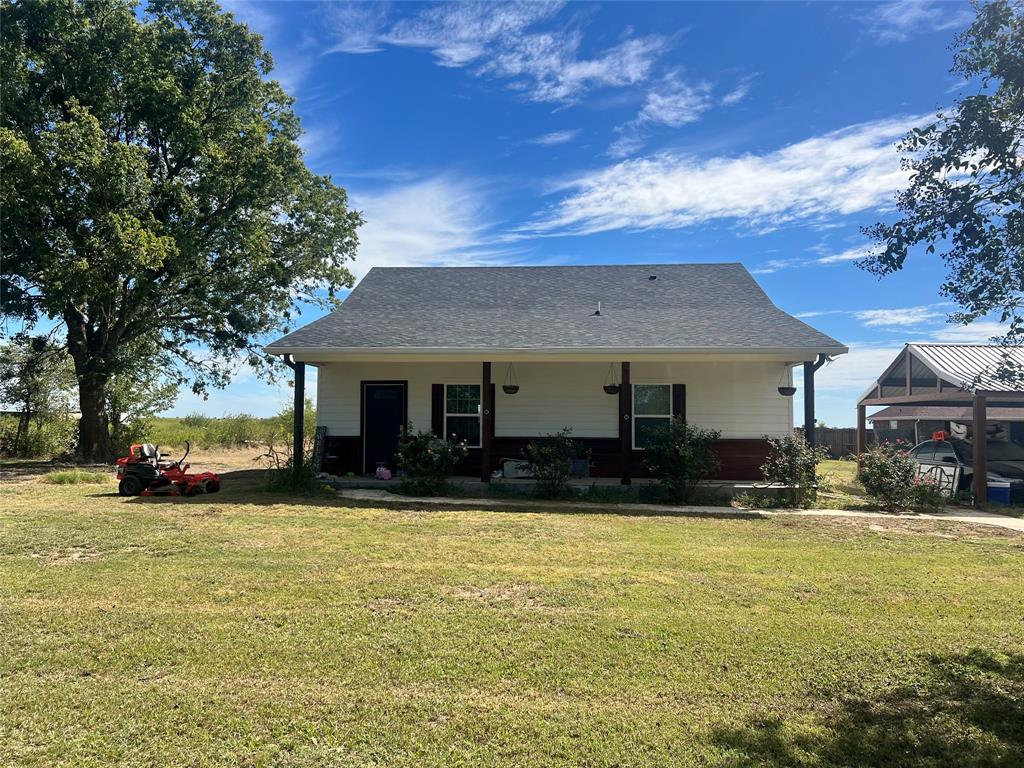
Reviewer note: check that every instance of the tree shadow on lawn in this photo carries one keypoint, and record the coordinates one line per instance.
(969, 711)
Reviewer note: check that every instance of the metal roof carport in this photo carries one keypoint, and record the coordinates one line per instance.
(952, 375)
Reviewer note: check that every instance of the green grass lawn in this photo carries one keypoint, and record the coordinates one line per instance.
(245, 629)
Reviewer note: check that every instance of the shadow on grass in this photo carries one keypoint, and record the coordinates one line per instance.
(968, 712)
(247, 487)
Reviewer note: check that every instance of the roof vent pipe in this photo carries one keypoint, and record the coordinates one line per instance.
(598, 313)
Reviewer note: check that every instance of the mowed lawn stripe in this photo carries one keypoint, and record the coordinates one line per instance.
(251, 629)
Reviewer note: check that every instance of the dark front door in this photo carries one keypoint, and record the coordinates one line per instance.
(383, 418)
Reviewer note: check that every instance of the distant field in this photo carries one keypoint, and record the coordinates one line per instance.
(253, 629)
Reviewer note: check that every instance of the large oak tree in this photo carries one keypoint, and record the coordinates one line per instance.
(154, 196)
(966, 189)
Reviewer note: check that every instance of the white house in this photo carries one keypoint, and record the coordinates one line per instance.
(496, 356)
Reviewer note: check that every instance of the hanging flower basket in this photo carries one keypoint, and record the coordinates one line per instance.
(611, 381)
(511, 385)
(787, 391)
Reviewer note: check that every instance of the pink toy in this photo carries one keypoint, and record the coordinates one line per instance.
(383, 473)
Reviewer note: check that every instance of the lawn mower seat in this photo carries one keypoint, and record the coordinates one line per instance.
(147, 451)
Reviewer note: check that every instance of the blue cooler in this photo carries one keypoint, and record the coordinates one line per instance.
(998, 492)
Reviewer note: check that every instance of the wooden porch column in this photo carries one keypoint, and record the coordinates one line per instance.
(980, 453)
(862, 434)
(486, 423)
(625, 423)
(809, 370)
(299, 405)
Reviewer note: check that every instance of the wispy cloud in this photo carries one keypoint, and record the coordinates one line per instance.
(433, 222)
(673, 102)
(978, 332)
(506, 41)
(850, 254)
(740, 91)
(904, 316)
(900, 21)
(556, 137)
(839, 173)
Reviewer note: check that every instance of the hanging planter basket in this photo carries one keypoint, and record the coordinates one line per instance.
(785, 388)
(511, 385)
(611, 381)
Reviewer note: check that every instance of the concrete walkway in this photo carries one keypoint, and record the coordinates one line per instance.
(959, 516)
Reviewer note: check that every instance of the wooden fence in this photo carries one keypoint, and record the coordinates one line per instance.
(840, 441)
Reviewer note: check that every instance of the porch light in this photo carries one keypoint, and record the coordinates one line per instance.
(511, 385)
(611, 381)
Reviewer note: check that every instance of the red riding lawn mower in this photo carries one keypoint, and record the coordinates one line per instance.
(147, 472)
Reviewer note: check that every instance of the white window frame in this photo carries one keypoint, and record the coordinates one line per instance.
(479, 409)
(634, 415)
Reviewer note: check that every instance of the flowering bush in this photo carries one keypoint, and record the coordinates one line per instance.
(889, 475)
(427, 461)
(794, 463)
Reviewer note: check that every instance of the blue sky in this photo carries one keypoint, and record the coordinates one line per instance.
(551, 133)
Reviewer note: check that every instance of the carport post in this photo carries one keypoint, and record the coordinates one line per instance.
(980, 453)
(862, 434)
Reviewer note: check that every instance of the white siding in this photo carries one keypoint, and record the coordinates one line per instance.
(738, 398)
(555, 395)
(337, 393)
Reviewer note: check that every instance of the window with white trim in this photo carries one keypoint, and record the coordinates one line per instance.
(462, 414)
(652, 412)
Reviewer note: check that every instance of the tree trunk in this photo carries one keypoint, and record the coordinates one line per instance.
(93, 433)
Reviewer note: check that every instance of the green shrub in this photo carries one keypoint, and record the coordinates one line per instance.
(793, 463)
(928, 495)
(75, 477)
(682, 458)
(549, 459)
(888, 474)
(427, 461)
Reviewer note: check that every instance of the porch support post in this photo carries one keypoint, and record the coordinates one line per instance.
(486, 423)
(809, 369)
(980, 453)
(299, 407)
(862, 434)
(625, 422)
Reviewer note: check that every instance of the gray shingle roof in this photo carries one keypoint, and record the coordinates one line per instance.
(684, 306)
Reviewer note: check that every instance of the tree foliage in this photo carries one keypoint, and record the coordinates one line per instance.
(153, 188)
(967, 180)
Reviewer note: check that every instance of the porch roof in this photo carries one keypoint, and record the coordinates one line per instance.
(659, 308)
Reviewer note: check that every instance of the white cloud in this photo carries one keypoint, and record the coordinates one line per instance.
(740, 92)
(435, 222)
(839, 173)
(875, 318)
(855, 370)
(850, 254)
(900, 21)
(556, 137)
(672, 102)
(978, 332)
(502, 40)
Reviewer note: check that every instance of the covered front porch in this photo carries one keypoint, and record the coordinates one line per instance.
(497, 406)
